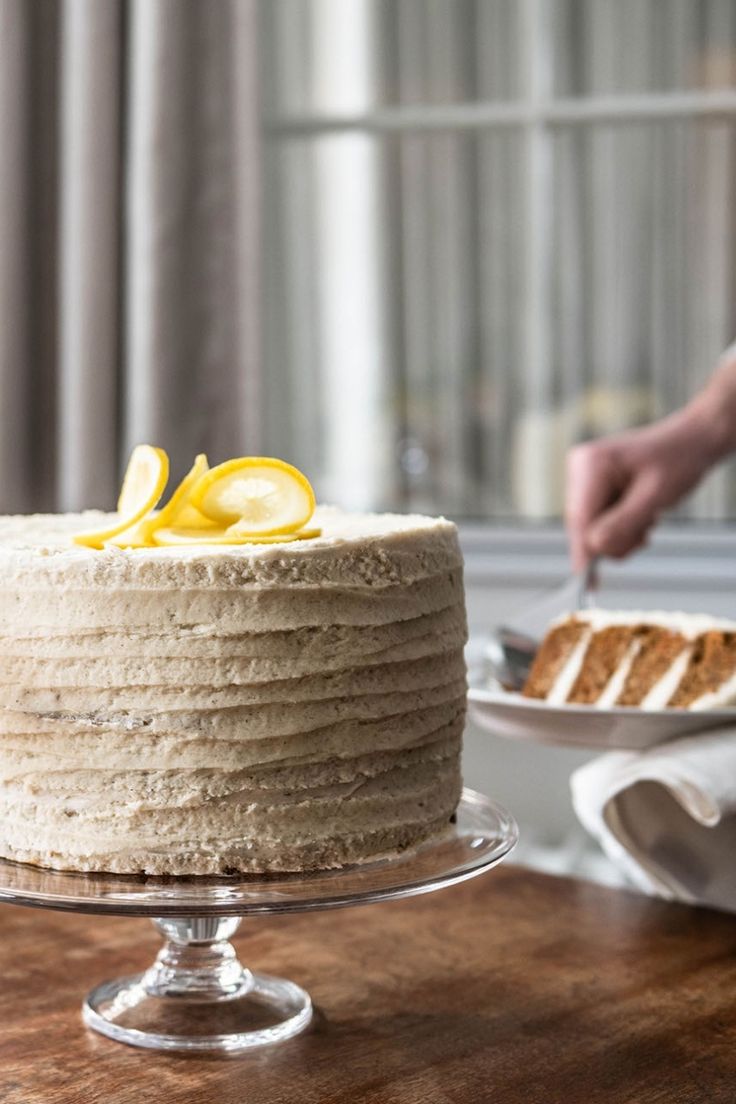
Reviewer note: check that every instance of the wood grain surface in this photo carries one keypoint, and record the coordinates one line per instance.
(514, 988)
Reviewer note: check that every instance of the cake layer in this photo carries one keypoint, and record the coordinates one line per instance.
(216, 856)
(366, 551)
(223, 670)
(196, 710)
(555, 667)
(239, 722)
(380, 679)
(204, 822)
(709, 680)
(262, 609)
(68, 747)
(657, 659)
(313, 642)
(86, 793)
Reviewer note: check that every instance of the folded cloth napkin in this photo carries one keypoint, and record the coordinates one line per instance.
(667, 816)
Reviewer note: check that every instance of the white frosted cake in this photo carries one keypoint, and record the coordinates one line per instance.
(193, 710)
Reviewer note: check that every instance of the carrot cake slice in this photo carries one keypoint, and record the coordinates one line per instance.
(653, 660)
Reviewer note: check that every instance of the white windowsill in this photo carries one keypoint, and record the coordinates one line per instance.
(698, 559)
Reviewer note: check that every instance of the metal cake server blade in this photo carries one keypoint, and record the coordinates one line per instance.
(511, 648)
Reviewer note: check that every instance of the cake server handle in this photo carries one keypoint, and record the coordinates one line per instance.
(588, 584)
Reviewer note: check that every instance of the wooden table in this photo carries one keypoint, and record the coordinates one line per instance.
(514, 988)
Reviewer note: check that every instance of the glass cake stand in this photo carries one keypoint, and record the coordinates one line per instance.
(197, 996)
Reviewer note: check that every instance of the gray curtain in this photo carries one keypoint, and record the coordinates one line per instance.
(129, 240)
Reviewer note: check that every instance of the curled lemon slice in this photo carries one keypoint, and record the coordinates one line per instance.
(189, 517)
(145, 478)
(169, 513)
(241, 531)
(176, 511)
(263, 495)
(216, 535)
(137, 536)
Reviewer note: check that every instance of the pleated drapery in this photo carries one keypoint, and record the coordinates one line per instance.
(129, 240)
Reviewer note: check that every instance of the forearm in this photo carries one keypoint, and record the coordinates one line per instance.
(710, 417)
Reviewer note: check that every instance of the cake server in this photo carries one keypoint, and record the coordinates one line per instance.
(510, 649)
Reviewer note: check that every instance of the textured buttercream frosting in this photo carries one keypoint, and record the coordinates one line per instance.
(194, 710)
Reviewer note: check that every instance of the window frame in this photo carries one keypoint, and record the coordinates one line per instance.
(530, 552)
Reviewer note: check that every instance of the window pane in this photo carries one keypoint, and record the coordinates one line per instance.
(446, 53)
(642, 296)
(391, 53)
(393, 353)
(602, 48)
(449, 309)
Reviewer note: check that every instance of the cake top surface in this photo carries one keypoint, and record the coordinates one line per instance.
(359, 548)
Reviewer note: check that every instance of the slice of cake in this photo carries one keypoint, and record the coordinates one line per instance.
(197, 709)
(653, 660)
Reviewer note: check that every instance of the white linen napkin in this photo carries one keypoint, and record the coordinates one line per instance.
(667, 816)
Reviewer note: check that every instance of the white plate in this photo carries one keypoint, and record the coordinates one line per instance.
(624, 727)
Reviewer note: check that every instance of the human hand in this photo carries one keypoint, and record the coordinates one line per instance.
(618, 485)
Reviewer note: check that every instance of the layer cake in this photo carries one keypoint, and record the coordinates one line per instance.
(199, 710)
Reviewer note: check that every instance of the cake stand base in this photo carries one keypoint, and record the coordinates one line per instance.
(198, 997)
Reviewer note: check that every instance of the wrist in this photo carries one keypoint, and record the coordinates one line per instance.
(710, 419)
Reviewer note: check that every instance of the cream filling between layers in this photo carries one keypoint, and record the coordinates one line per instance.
(571, 668)
(615, 685)
(662, 691)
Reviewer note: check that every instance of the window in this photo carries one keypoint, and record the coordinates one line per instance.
(493, 228)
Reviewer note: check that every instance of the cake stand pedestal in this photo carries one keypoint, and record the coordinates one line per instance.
(197, 996)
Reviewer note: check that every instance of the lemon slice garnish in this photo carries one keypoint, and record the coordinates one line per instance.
(252, 500)
(169, 513)
(145, 478)
(189, 517)
(267, 496)
(239, 532)
(137, 536)
(181, 536)
(140, 535)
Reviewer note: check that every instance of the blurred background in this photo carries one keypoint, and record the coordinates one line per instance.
(416, 247)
